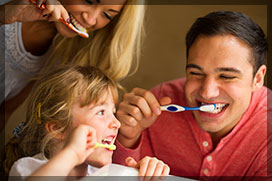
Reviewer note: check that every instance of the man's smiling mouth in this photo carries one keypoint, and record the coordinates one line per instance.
(218, 109)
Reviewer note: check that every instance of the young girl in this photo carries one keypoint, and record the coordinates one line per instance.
(69, 111)
(35, 40)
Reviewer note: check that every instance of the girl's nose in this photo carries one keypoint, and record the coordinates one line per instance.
(115, 124)
(209, 88)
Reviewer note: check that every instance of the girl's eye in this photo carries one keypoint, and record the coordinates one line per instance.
(101, 112)
(107, 16)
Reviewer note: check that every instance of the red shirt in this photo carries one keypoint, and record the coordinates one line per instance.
(177, 140)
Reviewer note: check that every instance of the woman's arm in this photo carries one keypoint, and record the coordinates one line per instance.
(12, 104)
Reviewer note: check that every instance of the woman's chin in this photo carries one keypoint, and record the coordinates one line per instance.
(65, 31)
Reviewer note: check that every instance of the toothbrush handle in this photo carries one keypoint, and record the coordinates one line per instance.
(172, 108)
(164, 108)
(192, 108)
(178, 108)
(100, 145)
(42, 6)
(64, 22)
(111, 147)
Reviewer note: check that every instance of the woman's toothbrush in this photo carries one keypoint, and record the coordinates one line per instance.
(110, 147)
(178, 108)
(83, 33)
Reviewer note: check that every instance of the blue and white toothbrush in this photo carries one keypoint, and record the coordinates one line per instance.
(178, 108)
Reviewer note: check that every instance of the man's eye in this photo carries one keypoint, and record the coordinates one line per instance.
(107, 16)
(195, 73)
(227, 77)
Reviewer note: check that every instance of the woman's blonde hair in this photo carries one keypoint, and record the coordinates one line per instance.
(114, 49)
(50, 101)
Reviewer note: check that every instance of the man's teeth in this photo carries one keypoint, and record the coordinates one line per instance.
(77, 24)
(219, 108)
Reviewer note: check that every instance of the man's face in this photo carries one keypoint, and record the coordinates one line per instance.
(218, 71)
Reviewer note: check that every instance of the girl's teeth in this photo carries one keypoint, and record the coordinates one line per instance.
(107, 141)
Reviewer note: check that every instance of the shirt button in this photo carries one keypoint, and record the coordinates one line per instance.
(209, 158)
(206, 171)
(205, 143)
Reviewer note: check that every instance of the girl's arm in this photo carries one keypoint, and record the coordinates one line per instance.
(60, 165)
(12, 104)
(79, 145)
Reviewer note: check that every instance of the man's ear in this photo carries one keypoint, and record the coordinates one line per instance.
(258, 81)
(52, 127)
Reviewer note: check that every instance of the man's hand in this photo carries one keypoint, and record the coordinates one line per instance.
(136, 112)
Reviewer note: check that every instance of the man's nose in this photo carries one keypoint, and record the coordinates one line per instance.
(209, 88)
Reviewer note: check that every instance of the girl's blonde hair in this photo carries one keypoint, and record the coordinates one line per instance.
(55, 93)
(114, 49)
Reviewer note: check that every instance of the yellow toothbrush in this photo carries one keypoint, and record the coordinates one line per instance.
(110, 147)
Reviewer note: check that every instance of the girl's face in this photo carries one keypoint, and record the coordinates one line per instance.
(101, 117)
(89, 14)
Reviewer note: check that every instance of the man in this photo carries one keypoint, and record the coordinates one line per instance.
(226, 54)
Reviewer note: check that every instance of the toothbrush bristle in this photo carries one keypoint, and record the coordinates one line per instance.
(112, 147)
(76, 27)
(81, 33)
(207, 108)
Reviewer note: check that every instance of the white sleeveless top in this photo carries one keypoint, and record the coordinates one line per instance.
(18, 66)
(27, 165)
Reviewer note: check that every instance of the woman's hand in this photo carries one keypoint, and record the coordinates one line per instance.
(149, 167)
(81, 142)
(25, 10)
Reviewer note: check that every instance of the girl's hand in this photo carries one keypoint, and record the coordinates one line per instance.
(81, 142)
(25, 10)
(149, 166)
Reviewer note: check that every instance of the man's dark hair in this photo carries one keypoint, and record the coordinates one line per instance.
(231, 23)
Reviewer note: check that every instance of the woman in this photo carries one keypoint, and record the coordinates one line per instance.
(36, 41)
